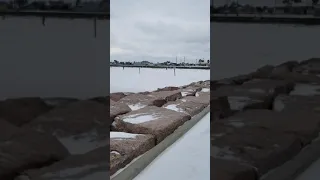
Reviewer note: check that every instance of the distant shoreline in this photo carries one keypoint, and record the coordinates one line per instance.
(162, 67)
(264, 19)
(57, 14)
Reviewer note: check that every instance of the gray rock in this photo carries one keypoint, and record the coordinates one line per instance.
(159, 122)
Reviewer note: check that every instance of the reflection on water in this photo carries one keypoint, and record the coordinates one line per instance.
(241, 48)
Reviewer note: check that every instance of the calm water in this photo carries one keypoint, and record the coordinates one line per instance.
(241, 48)
(60, 59)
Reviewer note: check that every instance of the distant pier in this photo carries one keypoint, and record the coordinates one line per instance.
(56, 14)
(266, 19)
(162, 67)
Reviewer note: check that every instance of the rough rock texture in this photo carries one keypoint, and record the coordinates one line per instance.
(117, 109)
(219, 107)
(187, 107)
(102, 99)
(7, 130)
(231, 170)
(190, 91)
(282, 114)
(159, 122)
(83, 123)
(92, 165)
(125, 147)
(167, 95)
(117, 96)
(168, 88)
(27, 149)
(22, 110)
(137, 101)
(201, 98)
(246, 145)
(310, 66)
(296, 103)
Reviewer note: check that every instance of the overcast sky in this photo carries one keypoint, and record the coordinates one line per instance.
(159, 30)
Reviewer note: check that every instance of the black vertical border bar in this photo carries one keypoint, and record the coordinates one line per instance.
(211, 85)
(108, 76)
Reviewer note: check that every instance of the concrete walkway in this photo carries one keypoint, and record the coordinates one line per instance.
(187, 159)
(312, 173)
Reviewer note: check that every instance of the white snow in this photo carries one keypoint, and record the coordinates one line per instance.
(236, 123)
(82, 143)
(140, 118)
(137, 106)
(115, 152)
(122, 135)
(205, 90)
(174, 108)
(306, 90)
(187, 159)
(185, 93)
(129, 79)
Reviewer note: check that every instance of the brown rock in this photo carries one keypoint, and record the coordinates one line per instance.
(263, 72)
(190, 108)
(202, 99)
(117, 109)
(245, 98)
(159, 122)
(219, 107)
(7, 130)
(92, 164)
(294, 103)
(270, 86)
(29, 149)
(202, 84)
(117, 96)
(102, 99)
(168, 88)
(297, 77)
(261, 148)
(286, 67)
(138, 101)
(230, 170)
(190, 90)
(310, 66)
(237, 80)
(22, 110)
(296, 123)
(124, 147)
(83, 123)
(167, 95)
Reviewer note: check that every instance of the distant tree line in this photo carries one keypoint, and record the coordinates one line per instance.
(103, 5)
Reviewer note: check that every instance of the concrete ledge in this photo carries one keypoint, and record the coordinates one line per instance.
(138, 165)
(294, 167)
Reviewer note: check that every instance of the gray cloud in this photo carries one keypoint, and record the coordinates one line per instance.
(159, 31)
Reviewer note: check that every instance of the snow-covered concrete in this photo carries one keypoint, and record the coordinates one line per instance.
(312, 173)
(187, 159)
